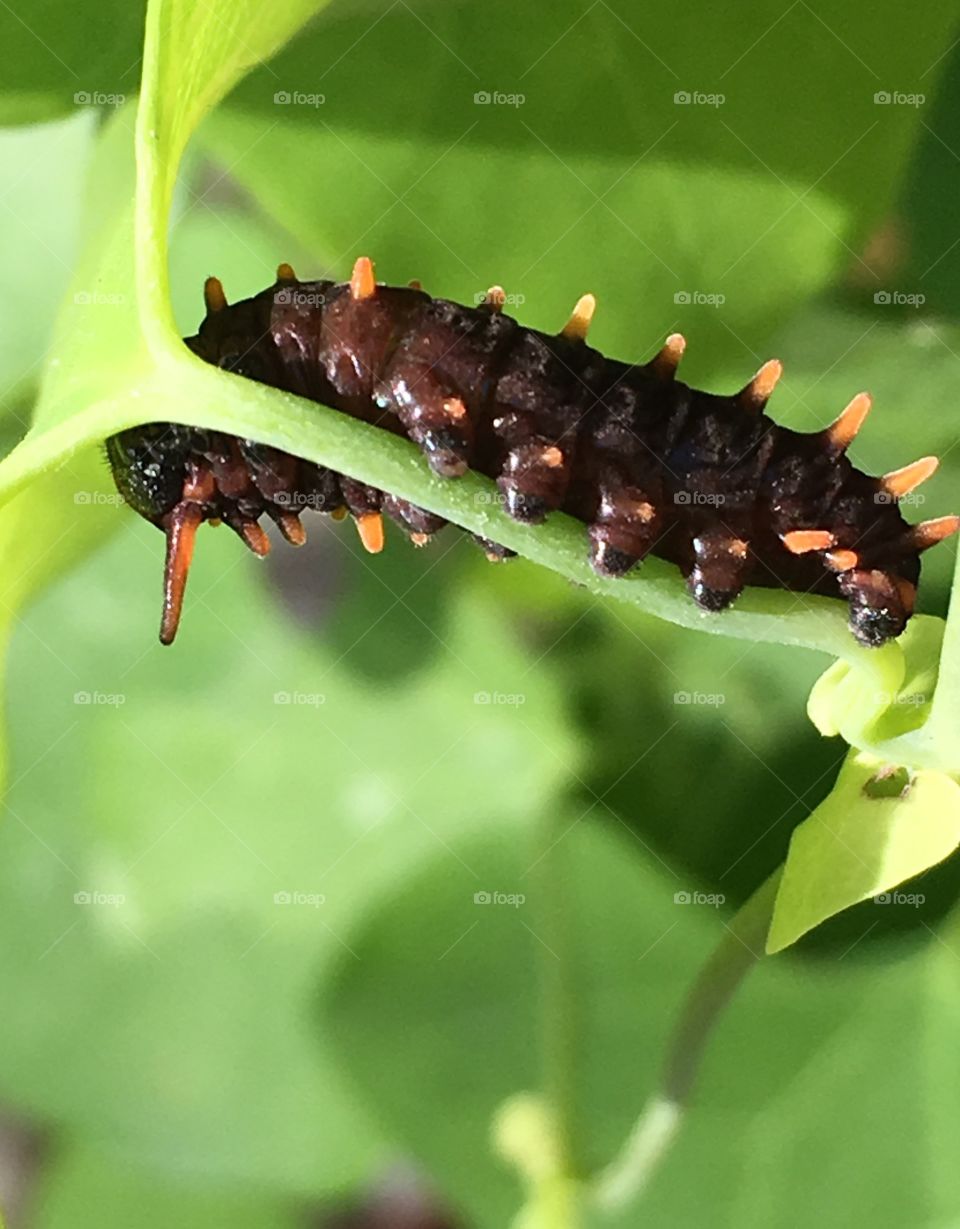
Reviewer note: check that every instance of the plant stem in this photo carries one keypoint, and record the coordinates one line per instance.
(560, 1009)
(741, 947)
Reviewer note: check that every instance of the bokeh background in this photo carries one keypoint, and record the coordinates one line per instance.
(258, 961)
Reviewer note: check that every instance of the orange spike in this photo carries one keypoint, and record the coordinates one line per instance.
(900, 482)
(181, 529)
(495, 298)
(454, 408)
(843, 431)
(576, 327)
(665, 364)
(841, 560)
(758, 392)
(552, 457)
(419, 539)
(799, 541)
(363, 282)
(291, 527)
(285, 273)
(213, 297)
(929, 533)
(370, 529)
(339, 514)
(415, 285)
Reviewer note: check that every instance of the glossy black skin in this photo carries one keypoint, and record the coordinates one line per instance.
(649, 464)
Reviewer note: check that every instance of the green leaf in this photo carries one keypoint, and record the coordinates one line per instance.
(60, 57)
(84, 1178)
(861, 843)
(283, 772)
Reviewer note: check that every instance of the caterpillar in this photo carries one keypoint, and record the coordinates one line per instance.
(647, 463)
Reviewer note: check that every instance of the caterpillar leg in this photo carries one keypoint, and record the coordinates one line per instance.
(880, 604)
(721, 565)
(626, 526)
(534, 479)
(494, 552)
(420, 524)
(437, 421)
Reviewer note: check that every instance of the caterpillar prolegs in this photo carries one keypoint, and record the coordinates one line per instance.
(650, 465)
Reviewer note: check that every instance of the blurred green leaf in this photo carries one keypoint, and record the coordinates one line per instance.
(41, 199)
(59, 56)
(83, 1179)
(563, 149)
(442, 997)
(799, 1069)
(204, 790)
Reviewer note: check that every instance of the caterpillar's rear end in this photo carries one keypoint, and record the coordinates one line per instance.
(649, 465)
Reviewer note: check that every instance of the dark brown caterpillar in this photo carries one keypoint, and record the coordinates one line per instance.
(650, 465)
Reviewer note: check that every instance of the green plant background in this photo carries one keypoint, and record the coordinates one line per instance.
(208, 1054)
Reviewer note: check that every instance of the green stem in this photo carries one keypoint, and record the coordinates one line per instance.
(561, 1023)
(735, 956)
